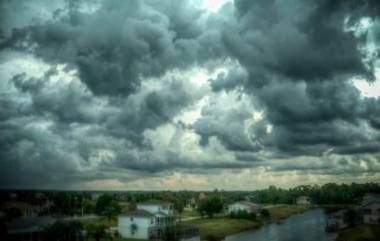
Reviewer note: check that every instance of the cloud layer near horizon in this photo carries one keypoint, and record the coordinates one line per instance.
(166, 94)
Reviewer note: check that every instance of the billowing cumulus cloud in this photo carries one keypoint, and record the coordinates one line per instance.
(138, 94)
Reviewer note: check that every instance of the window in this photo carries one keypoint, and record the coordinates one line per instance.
(151, 221)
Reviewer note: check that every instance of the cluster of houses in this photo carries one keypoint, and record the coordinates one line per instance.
(369, 213)
(151, 219)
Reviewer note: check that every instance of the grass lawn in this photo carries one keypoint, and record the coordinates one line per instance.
(278, 212)
(189, 213)
(222, 226)
(363, 232)
(100, 220)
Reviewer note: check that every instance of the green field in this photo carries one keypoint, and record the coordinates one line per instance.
(278, 212)
(189, 213)
(226, 226)
(360, 233)
(222, 226)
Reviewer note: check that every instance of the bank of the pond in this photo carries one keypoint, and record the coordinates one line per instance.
(224, 226)
(306, 226)
(278, 212)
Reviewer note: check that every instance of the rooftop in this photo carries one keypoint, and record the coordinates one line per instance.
(138, 213)
(369, 199)
(250, 204)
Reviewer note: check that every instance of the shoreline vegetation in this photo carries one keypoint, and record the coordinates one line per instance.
(223, 226)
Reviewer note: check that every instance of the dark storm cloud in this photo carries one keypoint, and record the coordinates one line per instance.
(72, 125)
(300, 60)
(122, 42)
(304, 40)
(227, 124)
(229, 81)
(117, 78)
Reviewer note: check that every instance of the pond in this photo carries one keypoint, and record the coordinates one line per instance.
(307, 226)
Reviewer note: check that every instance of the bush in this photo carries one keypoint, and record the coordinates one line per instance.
(64, 231)
(213, 237)
(210, 206)
(265, 213)
(243, 214)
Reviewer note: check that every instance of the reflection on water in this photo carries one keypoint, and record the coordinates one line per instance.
(308, 226)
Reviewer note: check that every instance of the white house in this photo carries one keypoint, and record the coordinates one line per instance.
(303, 200)
(244, 205)
(371, 208)
(148, 221)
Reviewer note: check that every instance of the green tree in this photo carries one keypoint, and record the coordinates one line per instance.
(210, 206)
(64, 231)
(265, 213)
(112, 210)
(96, 231)
(170, 233)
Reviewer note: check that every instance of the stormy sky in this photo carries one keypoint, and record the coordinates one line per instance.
(192, 94)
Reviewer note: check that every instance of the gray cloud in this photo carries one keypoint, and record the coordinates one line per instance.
(112, 89)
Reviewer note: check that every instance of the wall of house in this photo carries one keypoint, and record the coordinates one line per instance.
(238, 206)
(374, 215)
(155, 208)
(125, 227)
(192, 239)
(303, 201)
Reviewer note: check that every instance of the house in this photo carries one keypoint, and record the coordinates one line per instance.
(244, 206)
(337, 220)
(303, 200)
(202, 196)
(148, 221)
(371, 208)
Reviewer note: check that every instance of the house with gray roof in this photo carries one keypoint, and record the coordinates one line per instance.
(148, 221)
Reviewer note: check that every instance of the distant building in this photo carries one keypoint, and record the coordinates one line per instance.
(244, 206)
(26, 209)
(371, 208)
(303, 200)
(95, 195)
(125, 206)
(149, 221)
(202, 196)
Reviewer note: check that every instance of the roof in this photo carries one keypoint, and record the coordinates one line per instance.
(246, 203)
(138, 213)
(155, 202)
(370, 201)
(370, 198)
